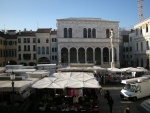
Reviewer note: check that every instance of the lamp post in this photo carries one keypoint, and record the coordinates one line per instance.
(112, 48)
(12, 78)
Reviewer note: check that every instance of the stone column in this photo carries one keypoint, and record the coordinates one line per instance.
(94, 56)
(112, 48)
(85, 56)
(68, 56)
(102, 56)
(77, 57)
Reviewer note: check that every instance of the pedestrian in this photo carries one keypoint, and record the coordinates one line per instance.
(110, 103)
(127, 109)
(107, 95)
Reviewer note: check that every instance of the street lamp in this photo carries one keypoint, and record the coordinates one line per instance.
(12, 78)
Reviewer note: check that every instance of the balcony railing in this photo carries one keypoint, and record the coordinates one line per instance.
(87, 40)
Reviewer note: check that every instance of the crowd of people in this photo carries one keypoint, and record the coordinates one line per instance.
(66, 102)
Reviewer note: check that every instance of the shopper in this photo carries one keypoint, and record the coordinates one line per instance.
(110, 103)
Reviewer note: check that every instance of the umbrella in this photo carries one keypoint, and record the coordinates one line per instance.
(62, 75)
(68, 79)
(88, 83)
(58, 83)
(43, 83)
(2, 69)
(142, 69)
(116, 70)
(132, 69)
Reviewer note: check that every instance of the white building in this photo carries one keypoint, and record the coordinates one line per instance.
(87, 40)
(43, 45)
(141, 43)
(26, 48)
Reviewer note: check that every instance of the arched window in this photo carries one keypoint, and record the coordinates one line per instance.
(94, 33)
(85, 33)
(38, 40)
(47, 40)
(147, 45)
(146, 27)
(39, 51)
(70, 32)
(141, 30)
(65, 32)
(47, 50)
(43, 50)
(89, 33)
(107, 33)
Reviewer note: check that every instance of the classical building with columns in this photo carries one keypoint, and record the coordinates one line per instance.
(87, 40)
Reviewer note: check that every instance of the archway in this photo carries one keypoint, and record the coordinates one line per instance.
(64, 55)
(98, 56)
(89, 55)
(73, 55)
(81, 55)
(105, 54)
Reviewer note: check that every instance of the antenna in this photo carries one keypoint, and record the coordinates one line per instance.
(140, 10)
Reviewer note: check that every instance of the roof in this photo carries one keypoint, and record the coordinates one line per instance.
(43, 30)
(85, 19)
(27, 33)
(54, 32)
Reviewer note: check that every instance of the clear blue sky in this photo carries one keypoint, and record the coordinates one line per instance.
(20, 14)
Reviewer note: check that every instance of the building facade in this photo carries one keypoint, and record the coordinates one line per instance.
(141, 43)
(26, 48)
(87, 40)
(2, 49)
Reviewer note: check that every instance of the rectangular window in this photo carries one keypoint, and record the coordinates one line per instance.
(10, 42)
(55, 57)
(52, 57)
(19, 48)
(34, 40)
(19, 57)
(126, 49)
(28, 47)
(19, 40)
(52, 39)
(25, 49)
(130, 48)
(55, 49)
(34, 56)
(24, 40)
(34, 48)
(28, 40)
(52, 49)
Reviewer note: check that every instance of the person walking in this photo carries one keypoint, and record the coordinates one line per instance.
(107, 95)
(110, 103)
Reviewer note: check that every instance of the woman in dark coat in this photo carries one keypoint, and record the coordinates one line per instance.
(110, 103)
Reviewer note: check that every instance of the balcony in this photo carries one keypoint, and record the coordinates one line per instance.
(99, 40)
